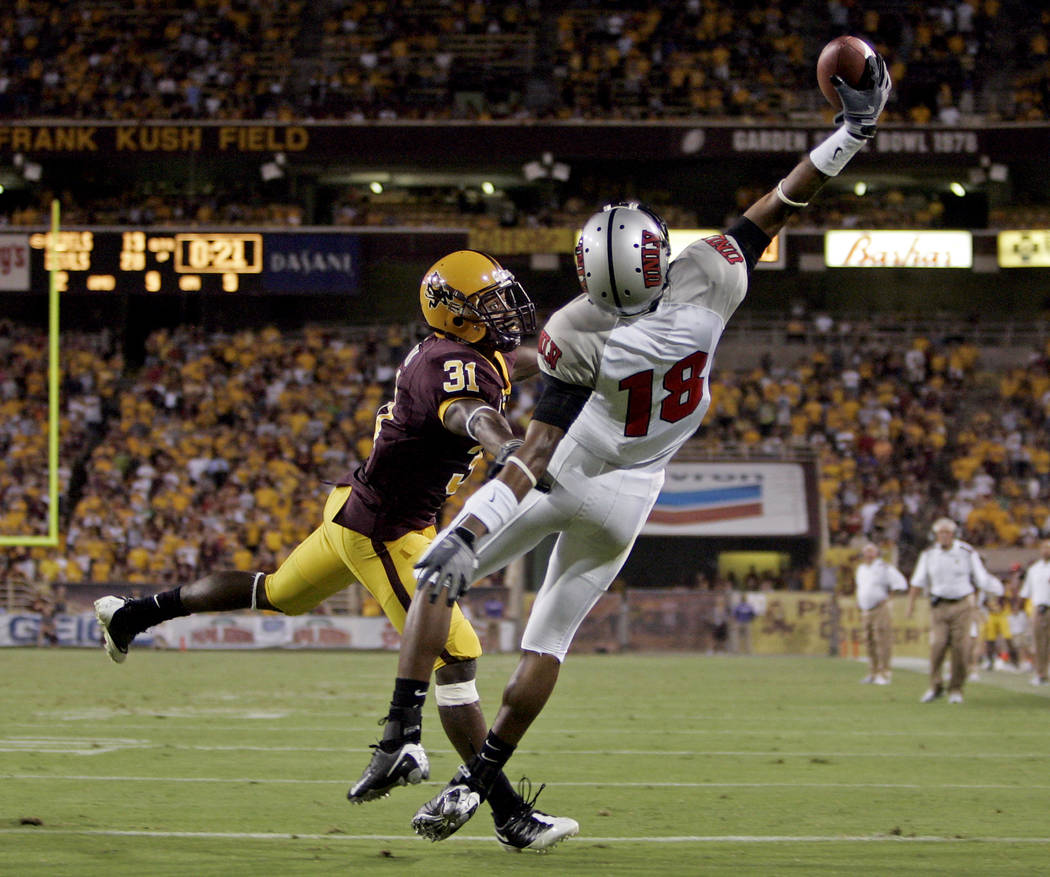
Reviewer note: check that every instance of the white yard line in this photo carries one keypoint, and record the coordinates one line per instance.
(682, 839)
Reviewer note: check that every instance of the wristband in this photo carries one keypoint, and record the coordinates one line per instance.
(786, 200)
(528, 472)
(834, 154)
(493, 504)
(470, 419)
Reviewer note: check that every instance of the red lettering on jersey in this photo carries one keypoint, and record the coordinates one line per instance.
(651, 246)
(724, 247)
(550, 351)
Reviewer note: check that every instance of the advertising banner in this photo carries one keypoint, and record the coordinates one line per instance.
(731, 499)
(312, 263)
(865, 248)
(790, 623)
(1024, 248)
(804, 623)
(14, 263)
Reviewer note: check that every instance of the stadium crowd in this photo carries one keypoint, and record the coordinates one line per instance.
(285, 59)
(216, 452)
(213, 452)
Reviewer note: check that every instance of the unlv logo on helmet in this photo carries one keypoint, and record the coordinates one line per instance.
(652, 275)
(581, 273)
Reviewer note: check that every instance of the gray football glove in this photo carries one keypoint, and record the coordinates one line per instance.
(449, 563)
(861, 106)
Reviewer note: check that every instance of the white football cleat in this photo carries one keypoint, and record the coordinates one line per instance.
(115, 643)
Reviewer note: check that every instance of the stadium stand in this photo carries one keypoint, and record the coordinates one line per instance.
(424, 59)
(214, 452)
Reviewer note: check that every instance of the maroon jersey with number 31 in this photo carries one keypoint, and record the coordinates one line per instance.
(415, 462)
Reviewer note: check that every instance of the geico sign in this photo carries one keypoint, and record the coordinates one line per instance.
(898, 249)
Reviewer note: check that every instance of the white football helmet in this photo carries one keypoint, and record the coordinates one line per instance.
(622, 257)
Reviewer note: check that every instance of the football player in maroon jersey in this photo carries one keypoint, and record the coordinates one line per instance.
(447, 410)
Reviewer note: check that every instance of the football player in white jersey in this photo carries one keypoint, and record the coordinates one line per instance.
(626, 365)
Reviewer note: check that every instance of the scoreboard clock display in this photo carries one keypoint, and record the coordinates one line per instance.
(137, 261)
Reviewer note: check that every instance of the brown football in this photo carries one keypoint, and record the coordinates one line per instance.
(845, 57)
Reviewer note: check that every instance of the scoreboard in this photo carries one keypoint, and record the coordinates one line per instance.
(88, 261)
(139, 261)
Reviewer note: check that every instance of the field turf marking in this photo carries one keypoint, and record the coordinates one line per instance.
(737, 838)
(583, 784)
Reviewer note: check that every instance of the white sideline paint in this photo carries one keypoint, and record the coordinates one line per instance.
(582, 784)
(731, 838)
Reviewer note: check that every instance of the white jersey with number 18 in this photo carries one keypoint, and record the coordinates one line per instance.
(649, 373)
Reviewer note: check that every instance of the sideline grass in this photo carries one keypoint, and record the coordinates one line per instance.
(236, 763)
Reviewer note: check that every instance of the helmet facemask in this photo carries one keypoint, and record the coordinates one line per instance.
(502, 309)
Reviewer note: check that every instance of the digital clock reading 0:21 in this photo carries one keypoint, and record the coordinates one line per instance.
(190, 254)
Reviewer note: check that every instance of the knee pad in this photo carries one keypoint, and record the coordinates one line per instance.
(456, 693)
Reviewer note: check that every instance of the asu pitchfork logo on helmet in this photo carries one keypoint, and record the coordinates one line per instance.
(622, 258)
(468, 294)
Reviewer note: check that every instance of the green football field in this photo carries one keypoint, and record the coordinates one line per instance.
(238, 763)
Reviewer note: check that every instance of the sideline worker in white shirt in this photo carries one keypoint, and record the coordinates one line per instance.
(875, 579)
(1036, 588)
(949, 571)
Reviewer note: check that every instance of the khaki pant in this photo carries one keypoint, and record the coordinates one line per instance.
(878, 635)
(1041, 638)
(950, 629)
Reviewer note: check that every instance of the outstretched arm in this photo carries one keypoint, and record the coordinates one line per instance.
(861, 110)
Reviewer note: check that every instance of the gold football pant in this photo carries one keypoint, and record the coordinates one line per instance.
(333, 557)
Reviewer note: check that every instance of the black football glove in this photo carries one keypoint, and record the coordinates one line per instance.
(861, 106)
(449, 563)
(500, 460)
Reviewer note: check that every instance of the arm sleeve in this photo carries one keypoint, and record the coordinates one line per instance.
(896, 579)
(984, 579)
(752, 240)
(1026, 588)
(561, 402)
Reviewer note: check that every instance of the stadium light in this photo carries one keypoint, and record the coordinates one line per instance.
(376, 187)
(958, 189)
(271, 171)
(546, 168)
(487, 187)
(860, 188)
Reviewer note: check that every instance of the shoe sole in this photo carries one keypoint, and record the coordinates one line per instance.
(435, 831)
(546, 848)
(442, 827)
(103, 622)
